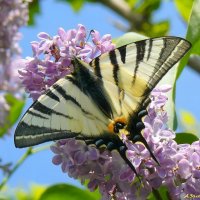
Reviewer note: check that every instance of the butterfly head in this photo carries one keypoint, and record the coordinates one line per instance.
(118, 127)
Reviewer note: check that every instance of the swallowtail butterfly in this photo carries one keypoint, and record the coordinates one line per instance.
(101, 100)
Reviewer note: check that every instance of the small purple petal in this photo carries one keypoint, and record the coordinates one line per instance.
(95, 37)
(163, 88)
(106, 37)
(184, 169)
(62, 34)
(43, 35)
(79, 157)
(124, 175)
(167, 134)
(93, 154)
(92, 185)
(35, 47)
(57, 160)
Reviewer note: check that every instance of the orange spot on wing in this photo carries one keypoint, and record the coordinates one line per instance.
(111, 127)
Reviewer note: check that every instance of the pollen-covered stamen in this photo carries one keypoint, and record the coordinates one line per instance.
(198, 167)
(175, 169)
(81, 44)
(117, 124)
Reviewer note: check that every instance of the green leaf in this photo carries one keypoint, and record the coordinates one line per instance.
(147, 27)
(76, 5)
(21, 194)
(33, 193)
(156, 30)
(129, 38)
(163, 194)
(193, 35)
(67, 192)
(185, 138)
(16, 106)
(184, 7)
(34, 9)
(147, 7)
(170, 79)
(131, 3)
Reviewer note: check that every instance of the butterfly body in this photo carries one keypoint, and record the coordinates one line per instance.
(100, 101)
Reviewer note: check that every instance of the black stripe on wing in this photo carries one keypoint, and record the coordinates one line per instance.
(139, 56)
(97, 69)
(116, 68)
(46, 110)
(92, 86)
(67, 97)
(150, 48)
(32, 135)
(173, 50)
(122, 51)
(36, 114)
(168, 47)
(50, 94)
(113, 60)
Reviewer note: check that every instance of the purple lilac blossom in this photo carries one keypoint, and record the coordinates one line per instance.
(52, 57)
(179, 168)
(13, 15)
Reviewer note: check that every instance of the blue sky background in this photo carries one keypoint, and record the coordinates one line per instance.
(39, 168)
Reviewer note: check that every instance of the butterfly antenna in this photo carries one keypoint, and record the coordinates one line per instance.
(92, 31)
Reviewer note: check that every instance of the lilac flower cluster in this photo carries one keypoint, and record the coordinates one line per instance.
(179, 168)
(13, 15)
(52, 57)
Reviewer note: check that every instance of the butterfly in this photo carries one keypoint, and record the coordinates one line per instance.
(100, 101)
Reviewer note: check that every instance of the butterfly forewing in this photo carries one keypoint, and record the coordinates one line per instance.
(63, 112)
(138, 67)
